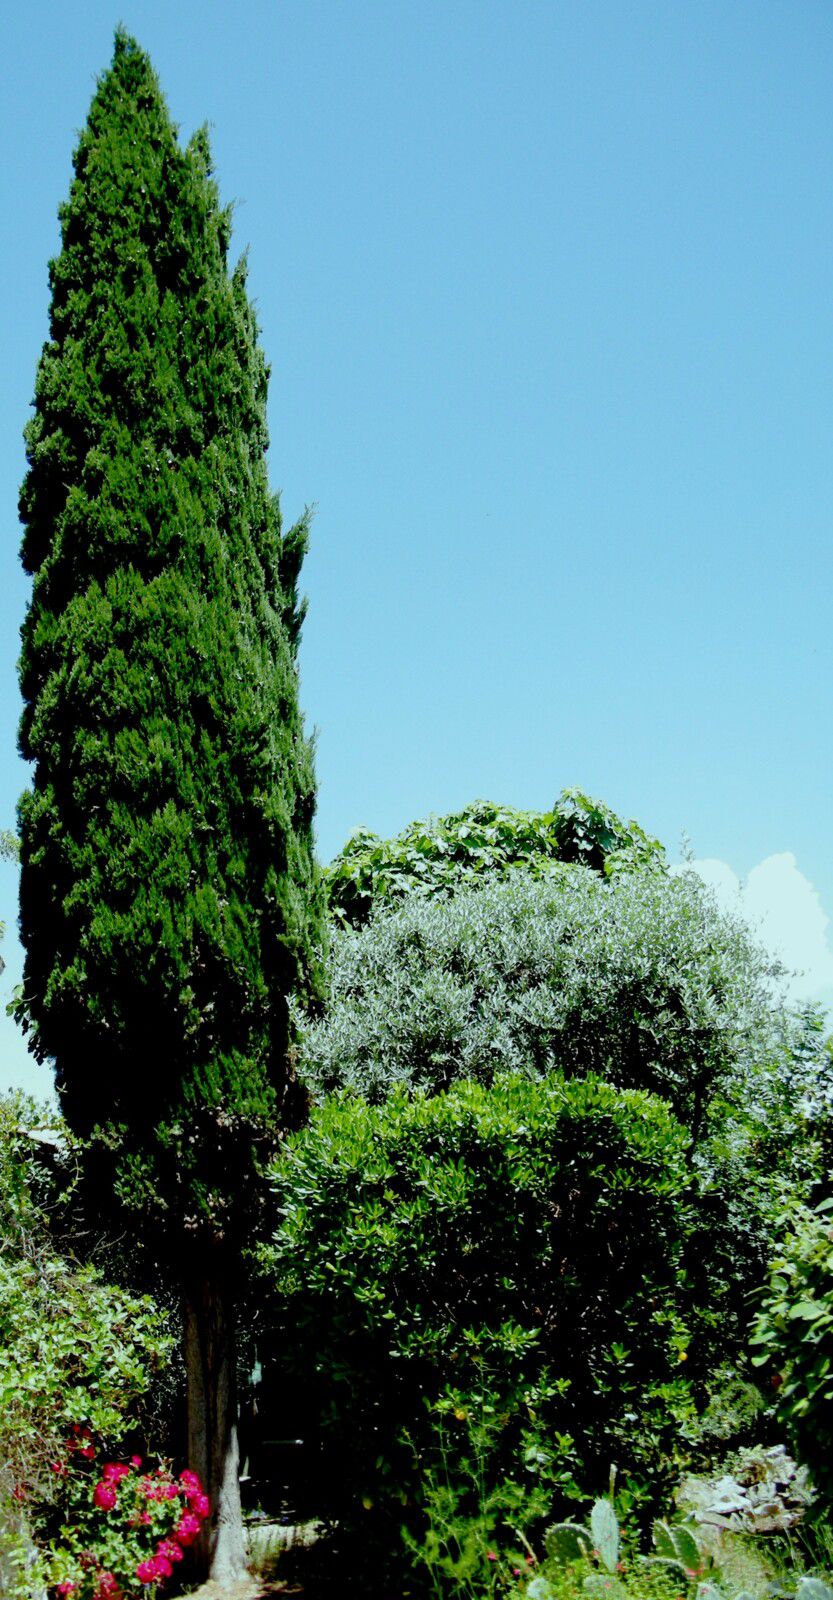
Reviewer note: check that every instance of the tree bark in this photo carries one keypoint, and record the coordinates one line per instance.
(211, 1382)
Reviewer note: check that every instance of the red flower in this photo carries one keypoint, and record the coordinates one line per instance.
(169, 1549)
(87, 1451)
(136, 1461)
(108, 1588)
(104, 1496)
(115, 1471)
(146, 1571)
(200, 1504)
(64, 1588)
(187, 1528)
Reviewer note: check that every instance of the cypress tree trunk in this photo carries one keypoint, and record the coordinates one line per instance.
(210, 1368)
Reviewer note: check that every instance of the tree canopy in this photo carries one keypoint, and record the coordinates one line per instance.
(435, 857)
(169, 900)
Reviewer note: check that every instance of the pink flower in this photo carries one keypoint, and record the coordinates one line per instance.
(163, 1566)
(136, 1461)
(104, 1496)
(115, 1471)
(64, 1588)
(146, 1571)
(187, 1528)
(190, 1481)
(169, 1549)
(490, 1555)
(167, 1491)
(200, 1504)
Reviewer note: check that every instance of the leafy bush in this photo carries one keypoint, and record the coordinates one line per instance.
(78, 1355)
(793, 1340)
(125, 1529)
(639, 979)
(515, 1249)
(440, 855)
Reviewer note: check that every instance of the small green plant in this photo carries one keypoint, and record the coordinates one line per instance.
(478, 1506)
(598, 1545)
(569, 1541)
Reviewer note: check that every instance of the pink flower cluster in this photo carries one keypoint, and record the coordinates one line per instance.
(168, 1551)
(174, 1508)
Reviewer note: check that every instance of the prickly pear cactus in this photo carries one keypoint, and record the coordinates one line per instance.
(605, 1531)
(677, 1543)
(813, 1589)
(599, 1587)
(566, 1541)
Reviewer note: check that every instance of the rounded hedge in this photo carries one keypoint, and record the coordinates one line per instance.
(522, 1240)
(638, 978)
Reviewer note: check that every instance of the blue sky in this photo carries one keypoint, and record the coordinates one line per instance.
(546, 290)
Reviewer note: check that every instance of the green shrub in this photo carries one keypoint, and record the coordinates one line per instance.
(79, 1357)
(440, 855)
(515, 1249)
(793, 1340)
(638, 978)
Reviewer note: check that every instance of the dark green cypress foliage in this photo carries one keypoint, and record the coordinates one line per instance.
(169, 900)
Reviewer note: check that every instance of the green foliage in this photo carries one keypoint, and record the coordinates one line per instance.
(440, 855)
(473, 1522)
(592, 1560)
(27, 1187)
(638, 978)
(793, 1340)
(79, 1357)
(73, 1351)
(169, 901)
(515, 1247)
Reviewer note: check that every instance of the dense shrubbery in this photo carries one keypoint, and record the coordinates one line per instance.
(515, 1248)
(79, 1357)
(793, 1340)
(423, 1268)
(440, 855)
(637, 978)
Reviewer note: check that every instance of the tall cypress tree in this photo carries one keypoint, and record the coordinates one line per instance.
(169, 900)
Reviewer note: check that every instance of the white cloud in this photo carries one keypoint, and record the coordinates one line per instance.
(786, 913)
